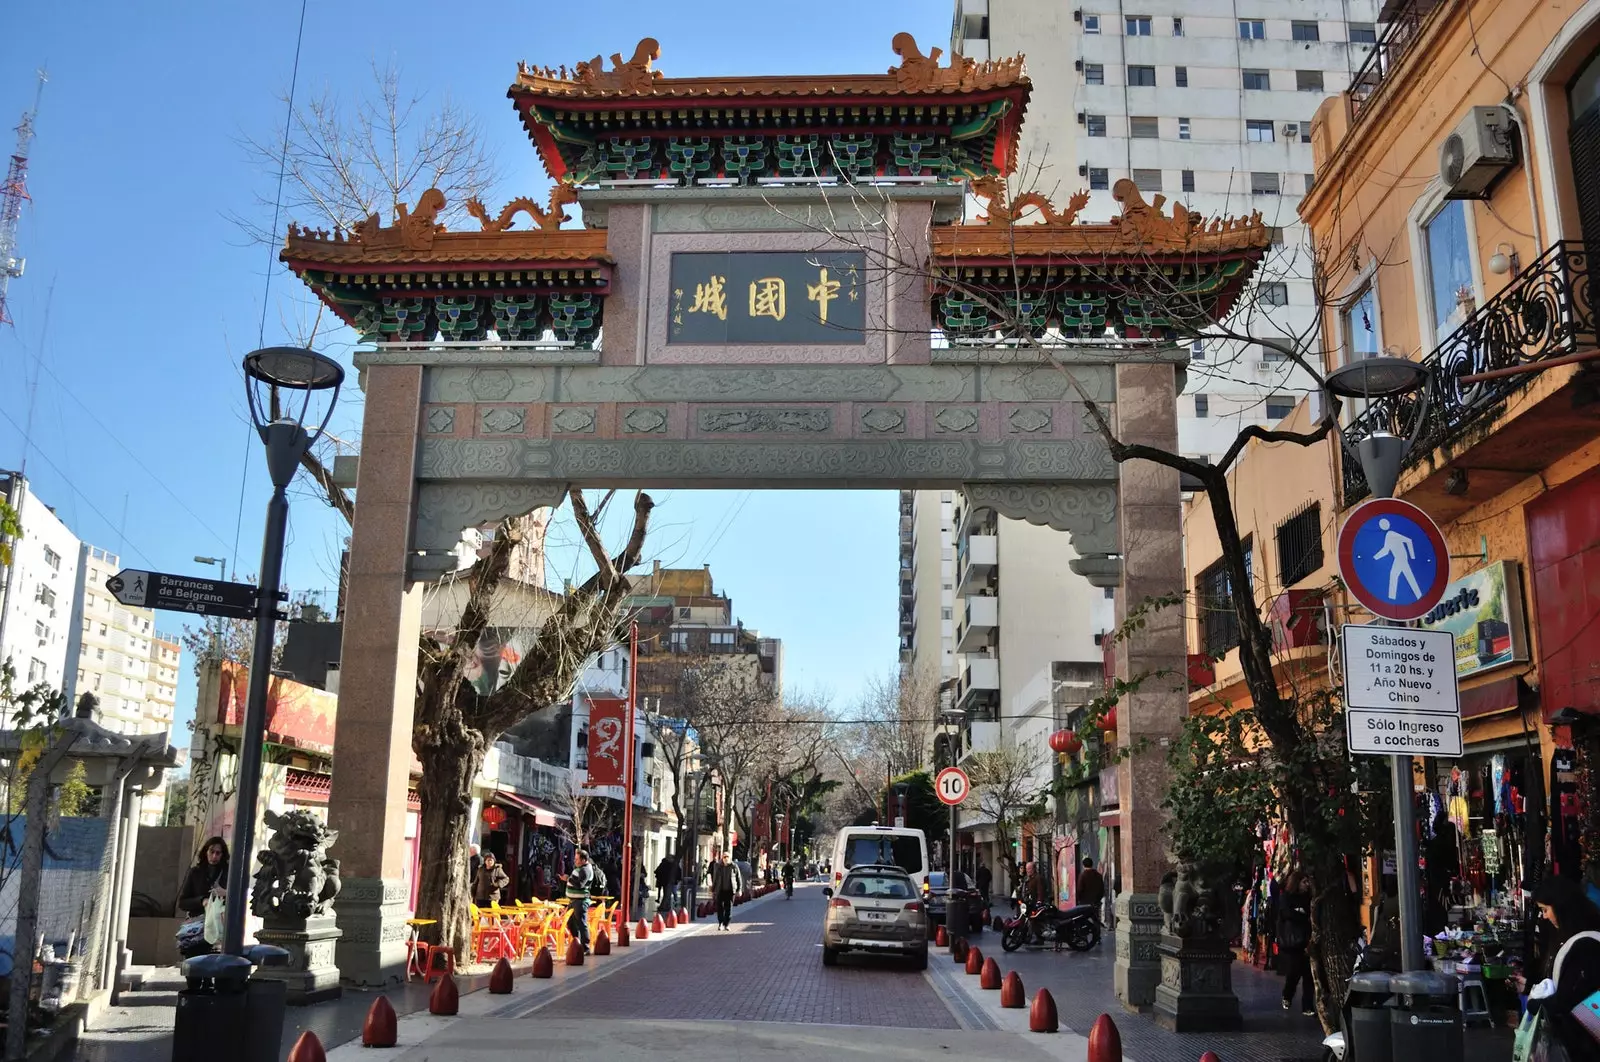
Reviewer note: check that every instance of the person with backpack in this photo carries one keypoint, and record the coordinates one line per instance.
(1294, 938)
(585, 882)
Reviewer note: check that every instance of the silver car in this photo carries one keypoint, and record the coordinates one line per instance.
(875, 909)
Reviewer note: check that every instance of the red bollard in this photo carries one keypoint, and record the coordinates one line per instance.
(381, 1029)
(671, 921)
(543, 964)
(446, 998)
(974, 961)
(941, 939)
(990, 975)
(642, 930)
(1210, 1056)
(1012, 994)
(602, 943)
(500, 979)
(309, 1049)
(657, 926)
(1042, 1015)
(683, 916)
(622, 935)
(574, 953)
(1105, 1042)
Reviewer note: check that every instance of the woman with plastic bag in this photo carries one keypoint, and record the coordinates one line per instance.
(1563, 1019)
(202, 898)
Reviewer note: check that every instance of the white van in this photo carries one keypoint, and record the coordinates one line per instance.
(898, 846)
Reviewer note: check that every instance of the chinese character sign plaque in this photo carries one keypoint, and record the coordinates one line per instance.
(768, 297)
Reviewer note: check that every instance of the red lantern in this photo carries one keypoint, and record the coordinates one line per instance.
(1066, 742)
(1108, 722)
(494, 816)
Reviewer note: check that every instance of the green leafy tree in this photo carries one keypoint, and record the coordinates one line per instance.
(10, 530)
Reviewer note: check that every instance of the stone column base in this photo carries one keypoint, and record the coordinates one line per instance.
(310, 972)
(1138, 967)
(1196, 990)
(372, 914)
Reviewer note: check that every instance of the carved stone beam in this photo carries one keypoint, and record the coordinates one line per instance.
(1087, 512)
(445, 510)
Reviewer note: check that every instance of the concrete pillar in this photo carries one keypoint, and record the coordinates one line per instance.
(378, 665)
(1149, 517)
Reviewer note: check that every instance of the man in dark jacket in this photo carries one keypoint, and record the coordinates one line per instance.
(721, 875)
(985, 878)
(490, 880)
(1091, 886)
(664, 883)
(585, 881)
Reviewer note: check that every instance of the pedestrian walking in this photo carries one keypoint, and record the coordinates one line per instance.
(585, 881)
(985, 878)
(721, 880)
(1091, 890)
(474, 861)
(490, 880)
(1572, 971)
(664, 883)
(1294, 938)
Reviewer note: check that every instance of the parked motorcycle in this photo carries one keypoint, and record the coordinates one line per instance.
(1076, 927)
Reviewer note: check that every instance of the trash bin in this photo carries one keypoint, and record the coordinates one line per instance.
(956, 916)
(211, 1010)
(265, 1002)
(1366, 1017)
(1426, 1019)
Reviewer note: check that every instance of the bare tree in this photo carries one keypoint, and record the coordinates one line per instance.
(1009, 791)
(590, 815)
(901, 708)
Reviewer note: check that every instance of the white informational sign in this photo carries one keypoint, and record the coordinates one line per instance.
(1400, 691)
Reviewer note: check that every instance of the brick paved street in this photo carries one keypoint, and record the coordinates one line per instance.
(767, 968)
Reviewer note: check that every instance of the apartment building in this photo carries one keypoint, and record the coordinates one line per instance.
(37, 588)
(928, 583)
(1204, 102)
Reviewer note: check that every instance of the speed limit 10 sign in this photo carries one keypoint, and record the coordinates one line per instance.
(952, 785)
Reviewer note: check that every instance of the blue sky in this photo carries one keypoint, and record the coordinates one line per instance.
(141, 295)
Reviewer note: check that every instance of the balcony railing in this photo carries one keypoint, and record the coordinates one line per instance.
(1545, 313)
(1400, 32)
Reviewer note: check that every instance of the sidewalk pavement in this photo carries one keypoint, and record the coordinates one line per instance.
(139, 1029)
(1082, 986)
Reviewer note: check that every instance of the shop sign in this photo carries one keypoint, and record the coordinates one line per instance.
(1483, 613)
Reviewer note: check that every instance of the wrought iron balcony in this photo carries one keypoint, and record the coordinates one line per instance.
(1545, 313)
(1402, 25)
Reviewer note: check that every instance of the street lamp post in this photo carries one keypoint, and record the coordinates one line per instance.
(216, 624)
(1381, 455)
(268, 373)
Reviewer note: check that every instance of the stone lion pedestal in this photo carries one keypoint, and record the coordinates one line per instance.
(309, 971)
(1196, 989)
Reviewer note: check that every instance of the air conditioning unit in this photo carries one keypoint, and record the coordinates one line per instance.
(1291, 130)
(1083, 118)
(1083, 170)
(1262, 367)
(1480, 150)
(1078, 65)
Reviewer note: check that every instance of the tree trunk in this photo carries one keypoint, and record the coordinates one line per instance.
(1335, 922)
(443, 891)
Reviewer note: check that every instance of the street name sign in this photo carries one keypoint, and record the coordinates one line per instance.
(952, 785)
(1393, 559)
(1400, 691)
(182, 593)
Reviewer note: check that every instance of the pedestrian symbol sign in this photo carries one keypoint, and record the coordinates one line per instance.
(1393, 559)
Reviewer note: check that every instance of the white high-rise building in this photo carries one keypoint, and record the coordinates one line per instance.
(36, 589)
(1204, 102)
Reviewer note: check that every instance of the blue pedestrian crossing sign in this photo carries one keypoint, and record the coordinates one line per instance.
(1393, 559)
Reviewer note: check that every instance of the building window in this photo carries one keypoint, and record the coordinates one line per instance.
(103, 630)
(99, 654)
(721, 639)
(52, 558)
(1183, 129)
(1144, 128)
(35, 670)
(1138, 25)
(1361, 327)
(1094, 74)
(1279, 407)
(975, 27)
(1274, 293)
(945, 613)
(1188, 180)
(1202, 405)
(1257, 81)
(1258, 131)
(1300, 545)
(1363, 33)
(1264, 184)
(1177, 27)
(1142, 77)
(1304, 31)
(1311, 182)
(1147, 180)
(1180, 76)
(679, 641)
(40, 631)
(1308, 80)
(1449, 268)
(1252, 29)
(1197, 350)
(1094, 124)
(1091, 23)
(1099, 178)
(1219, 624)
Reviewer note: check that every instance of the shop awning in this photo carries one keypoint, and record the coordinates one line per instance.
(543, 815)
(1501, 695)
